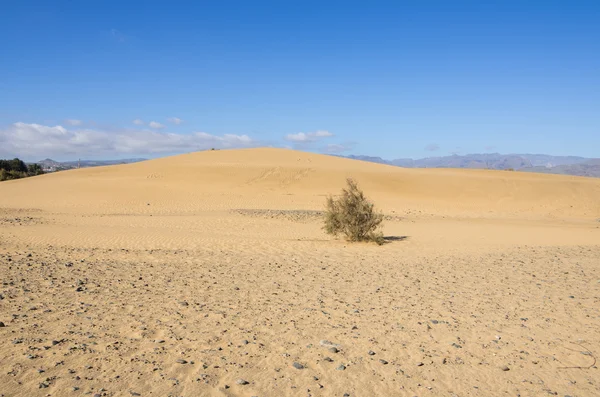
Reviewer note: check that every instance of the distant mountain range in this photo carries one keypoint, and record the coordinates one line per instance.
(566, 165)
(50, 165)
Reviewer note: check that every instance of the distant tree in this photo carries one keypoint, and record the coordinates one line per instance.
(15, 169)
(13, 165)
(34, 169)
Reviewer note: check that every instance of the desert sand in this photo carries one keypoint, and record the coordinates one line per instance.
(208, 274)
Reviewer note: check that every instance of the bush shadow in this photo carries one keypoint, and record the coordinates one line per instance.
(390, 239)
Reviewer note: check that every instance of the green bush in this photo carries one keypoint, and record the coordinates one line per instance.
(353, 216)
(8, 175)
(15, 169)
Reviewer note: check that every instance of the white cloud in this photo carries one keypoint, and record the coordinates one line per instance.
(302, 137)
(138, 122)
(73, 122)
(175, 120)
(34, 141)
(155, 124)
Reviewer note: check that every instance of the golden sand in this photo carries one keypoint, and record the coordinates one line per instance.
(185, 275)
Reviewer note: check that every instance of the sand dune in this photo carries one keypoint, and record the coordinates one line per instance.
(208, 274)
(292, 179)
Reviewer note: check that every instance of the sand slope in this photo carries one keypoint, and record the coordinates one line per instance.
(182, 275)
(253, 177)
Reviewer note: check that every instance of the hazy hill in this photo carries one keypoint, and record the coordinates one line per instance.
(565, 165)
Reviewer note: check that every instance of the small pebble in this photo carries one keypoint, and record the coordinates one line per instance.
(341, 367)
(505, 368)
(242, 382)
(298, 365)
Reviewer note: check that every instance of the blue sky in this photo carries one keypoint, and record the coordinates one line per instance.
(391, 79)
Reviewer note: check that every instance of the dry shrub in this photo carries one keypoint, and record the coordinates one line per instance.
(353, 216)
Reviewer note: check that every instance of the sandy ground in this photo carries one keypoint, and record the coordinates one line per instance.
(208, 274)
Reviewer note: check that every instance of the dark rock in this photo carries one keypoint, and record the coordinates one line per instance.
(2, 324)
(384, 362)
(371, 353)
(504, 368)
(181, 361)
(298, 365)
(420, 364)
(334, 349)
(341, 367)
(328, 359)
(242, 382)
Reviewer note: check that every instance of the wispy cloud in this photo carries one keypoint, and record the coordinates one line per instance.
(138, 122)
(117, 35)
(73, 122)
(35, 141)
(336, 148)
(155, 124)
(302, 137)
(432, 147)
(489, 148)
(175, 120)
